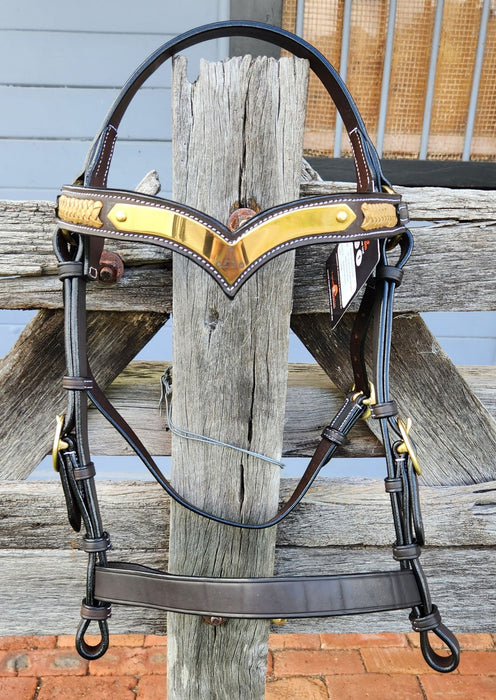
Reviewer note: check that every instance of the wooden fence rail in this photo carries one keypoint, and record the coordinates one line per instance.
(343, 524)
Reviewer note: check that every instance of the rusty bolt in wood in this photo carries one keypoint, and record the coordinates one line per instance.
(239, 217)
(111, 267)
(214, 620)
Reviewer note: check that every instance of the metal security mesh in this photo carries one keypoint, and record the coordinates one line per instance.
(401, 91)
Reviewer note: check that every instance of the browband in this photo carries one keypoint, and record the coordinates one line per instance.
(88, 212)
(230, 257)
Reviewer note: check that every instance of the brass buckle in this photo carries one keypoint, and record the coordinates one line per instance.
(407, 447)
(58, 443)
(370, 401)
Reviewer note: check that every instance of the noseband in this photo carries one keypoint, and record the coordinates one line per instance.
(374, 217)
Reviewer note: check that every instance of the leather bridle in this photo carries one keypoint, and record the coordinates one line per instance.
(89, 212)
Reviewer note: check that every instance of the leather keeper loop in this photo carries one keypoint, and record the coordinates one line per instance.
(393, 485)
(77, 383)
(384, 410)
(96, 544)
(95, 612)
(391, 273)
(334, 435)
(426, 623)
(70, 269)
(406, 551)
(85, 472)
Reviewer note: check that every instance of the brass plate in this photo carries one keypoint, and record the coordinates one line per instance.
(252, 241)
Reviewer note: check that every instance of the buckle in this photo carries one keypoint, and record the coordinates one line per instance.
(368, 401)
(58, 443)
(407, 446)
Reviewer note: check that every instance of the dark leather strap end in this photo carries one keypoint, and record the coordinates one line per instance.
(95, 612)
(426, 623)
(69, 269)
(97, 544)
(85, 472)
(77, 383)
(334, 435)
(406, 552)
(393, 485)
(388, 409)
(391, 273)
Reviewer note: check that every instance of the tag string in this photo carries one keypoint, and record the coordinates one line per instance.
(166, 398)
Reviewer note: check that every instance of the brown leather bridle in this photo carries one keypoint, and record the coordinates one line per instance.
(89, 212)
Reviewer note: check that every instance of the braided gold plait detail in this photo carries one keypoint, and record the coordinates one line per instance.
(80, 211)
(379, 215)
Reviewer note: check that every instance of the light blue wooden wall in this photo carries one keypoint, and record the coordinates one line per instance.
(61, 65)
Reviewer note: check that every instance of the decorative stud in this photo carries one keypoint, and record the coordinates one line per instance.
(279, 621)
(120, 216)
(342, 216)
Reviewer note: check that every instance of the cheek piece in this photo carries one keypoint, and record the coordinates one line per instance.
(87, 213)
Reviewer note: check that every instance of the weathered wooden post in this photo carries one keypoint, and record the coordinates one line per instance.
(237, 141)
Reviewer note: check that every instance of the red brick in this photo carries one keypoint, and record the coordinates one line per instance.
(53, 662)
(152, 688)
(474, 642)
(28, 642)
(12, 661)
(116, 640)
(270, 664)
(467, 641)
(87, 688)
(374, 687)
(127, 640)
(456, 687)
(356, 641)
(18, 688)
(478, 662)
(316, 663)
(394, 660)
(68, 641)
(294, 641)
(155, 640)
(295, 689)
(130, 662)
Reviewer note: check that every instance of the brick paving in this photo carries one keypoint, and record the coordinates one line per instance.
(299, 667)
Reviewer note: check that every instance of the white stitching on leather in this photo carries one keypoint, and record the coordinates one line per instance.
(107, 134)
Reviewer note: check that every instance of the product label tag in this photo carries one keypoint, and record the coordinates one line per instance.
(348, 268)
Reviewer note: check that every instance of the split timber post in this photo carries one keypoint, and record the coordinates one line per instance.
(237, 141)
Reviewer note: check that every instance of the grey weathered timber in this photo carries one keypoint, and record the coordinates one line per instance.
(31, 398)
(450, 269)
(311, 400)
(237, 141)
(454, 434)
(460, 524)
(454, 516)
(31, 393)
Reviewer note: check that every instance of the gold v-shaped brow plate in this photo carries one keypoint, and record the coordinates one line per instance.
(232, 254)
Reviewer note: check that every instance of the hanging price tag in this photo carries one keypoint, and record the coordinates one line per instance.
(348, 268)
